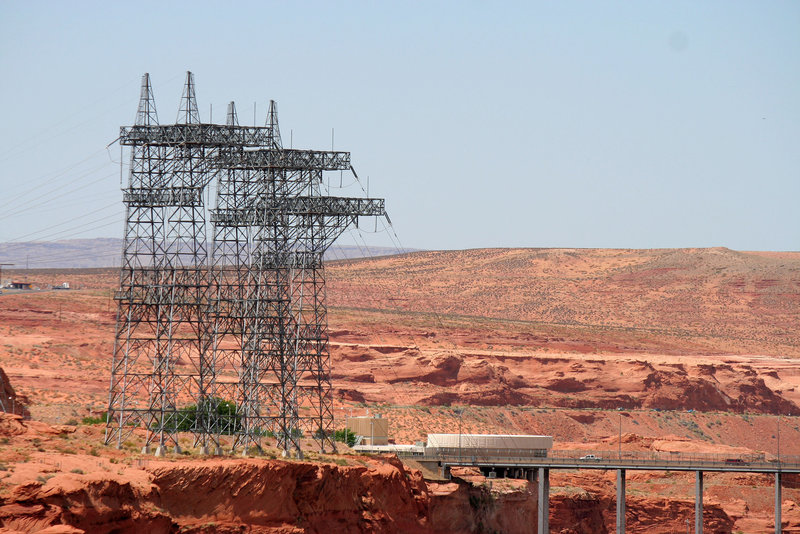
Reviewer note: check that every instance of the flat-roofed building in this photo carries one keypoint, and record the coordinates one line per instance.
(20, 285)
(491, 444)
(373, 430)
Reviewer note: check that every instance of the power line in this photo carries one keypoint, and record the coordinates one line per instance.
(46, 180)
(52, 257)
(366, 253)
(39, 137)
(56, 195)
(79, 111)
(20, 238)
(117, 220)
(38, 260)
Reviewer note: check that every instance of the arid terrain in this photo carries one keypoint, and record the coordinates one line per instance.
(687, 350)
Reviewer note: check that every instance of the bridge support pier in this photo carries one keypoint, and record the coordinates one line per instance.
(778, 500)
(621, 501)
(698, 502)
(444, 471)
(543, 506)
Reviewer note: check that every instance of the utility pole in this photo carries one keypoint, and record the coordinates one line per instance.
(619, 442)
(460, 413)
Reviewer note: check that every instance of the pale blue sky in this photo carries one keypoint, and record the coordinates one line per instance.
(535, 124)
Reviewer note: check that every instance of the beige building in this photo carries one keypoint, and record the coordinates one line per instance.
(498, 444)
(374, 430)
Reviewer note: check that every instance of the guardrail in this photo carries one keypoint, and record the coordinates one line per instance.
(597, 459)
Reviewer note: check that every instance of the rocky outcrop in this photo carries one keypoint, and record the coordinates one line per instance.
(309, 497)
(226, 496)
(507, 506)
(11, 401)
(742, 391)
(369, 495)
(489, 378)
(91, 504)
(273, 496)
(578, 513)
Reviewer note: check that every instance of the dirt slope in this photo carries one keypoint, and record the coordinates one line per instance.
(68, 486)
(699, 348)
(727, 301)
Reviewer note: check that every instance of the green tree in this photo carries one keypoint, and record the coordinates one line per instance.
(345, 436)
(221, 414)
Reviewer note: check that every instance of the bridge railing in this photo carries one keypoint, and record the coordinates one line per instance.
(466, 455)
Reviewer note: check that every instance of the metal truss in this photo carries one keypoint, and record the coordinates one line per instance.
(303, 209)
(227, 342)
(287, 159)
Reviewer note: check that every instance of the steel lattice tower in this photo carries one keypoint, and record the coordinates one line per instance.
(238, 330)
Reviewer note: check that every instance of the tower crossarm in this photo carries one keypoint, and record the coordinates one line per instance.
(289, 159)
(209, 135)
(152, 197)
(267, 213)
(290, 259)
(332, 206)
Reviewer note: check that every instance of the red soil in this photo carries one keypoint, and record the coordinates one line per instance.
(530, 341)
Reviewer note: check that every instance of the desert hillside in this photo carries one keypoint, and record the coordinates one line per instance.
(106, 252)
(700, 329)
(708, 300)
(691, 350)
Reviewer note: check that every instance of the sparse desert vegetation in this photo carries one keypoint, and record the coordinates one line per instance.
(698, 348)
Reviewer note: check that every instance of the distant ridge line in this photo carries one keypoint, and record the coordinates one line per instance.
(105, 252)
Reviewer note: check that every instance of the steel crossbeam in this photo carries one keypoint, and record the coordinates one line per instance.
(207, 135)
(270, 211)
(286, 159)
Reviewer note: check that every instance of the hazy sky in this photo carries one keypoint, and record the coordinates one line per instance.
(531, 124)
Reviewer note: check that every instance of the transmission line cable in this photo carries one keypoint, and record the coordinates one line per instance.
(79, 111)
(46, 180)
(59, 255)
(27, 206)
(115, 215)
(43, 230)
(42, 137)
(40, 260)
(367, 254)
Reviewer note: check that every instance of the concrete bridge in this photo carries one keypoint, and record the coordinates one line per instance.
(521, 464)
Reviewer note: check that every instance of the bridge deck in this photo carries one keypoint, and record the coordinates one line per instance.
(642, 461)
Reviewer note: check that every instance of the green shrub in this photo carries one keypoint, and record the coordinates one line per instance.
(95, 420)
(221, 417)
(345, 436)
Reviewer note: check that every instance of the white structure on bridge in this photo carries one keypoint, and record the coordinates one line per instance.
(497, 444)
